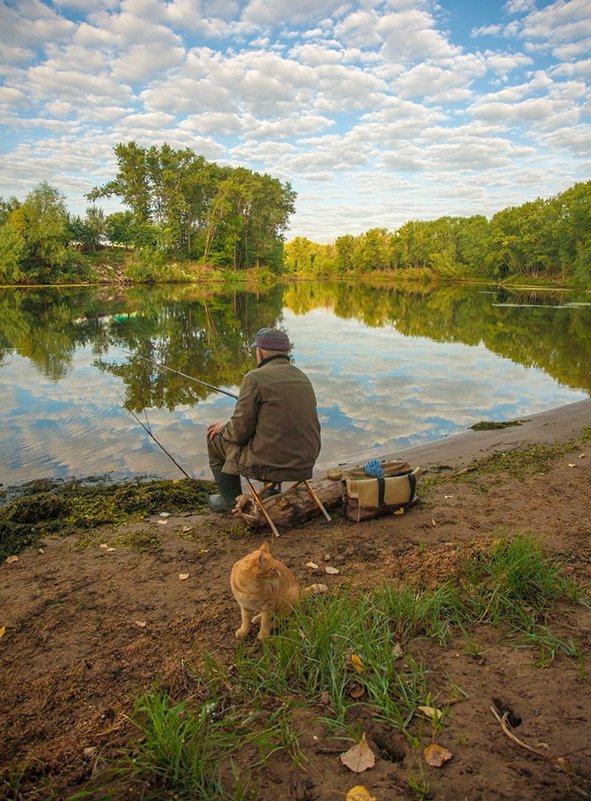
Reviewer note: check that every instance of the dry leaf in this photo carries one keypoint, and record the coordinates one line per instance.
(183, 576)
(110, 550)
(356, 690)
(312, 565)
(186, 529)
(571, 465)
(140, 623)
(2, 631)
(397, 652)
(436, 755)
(399, 511)
(359, 793)
(360, 757)
(332, 571)
(431, 712)
(104, 546)
(357, 663)
(162, 522)
(11, 559)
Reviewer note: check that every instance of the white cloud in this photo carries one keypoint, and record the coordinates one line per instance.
(371, 110)
(563, 27)
(275, 12)
(144, 61)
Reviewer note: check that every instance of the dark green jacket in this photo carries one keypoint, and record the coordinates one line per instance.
(275, 424)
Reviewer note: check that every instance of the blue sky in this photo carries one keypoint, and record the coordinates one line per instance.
(377, 112)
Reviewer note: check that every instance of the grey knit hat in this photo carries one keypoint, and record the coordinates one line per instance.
(271, 339)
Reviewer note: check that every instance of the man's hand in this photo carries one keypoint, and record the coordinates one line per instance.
(214, 429)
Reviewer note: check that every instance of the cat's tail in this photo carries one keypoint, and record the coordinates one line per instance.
(315, 588)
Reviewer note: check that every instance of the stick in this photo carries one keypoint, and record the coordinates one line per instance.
(506, 730)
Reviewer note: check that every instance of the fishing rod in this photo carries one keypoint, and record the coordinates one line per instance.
(149, 433)
(184, 375)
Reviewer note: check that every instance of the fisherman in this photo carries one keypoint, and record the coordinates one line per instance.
(274, 433)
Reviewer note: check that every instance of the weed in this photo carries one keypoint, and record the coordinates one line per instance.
(490, 425)
(516, 577)
(419, 786)
(72, 507)
(521, 462)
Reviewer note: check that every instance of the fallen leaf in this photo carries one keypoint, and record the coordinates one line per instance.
(140, 623)
(110, 550)
(434, 523)
(164, 514)
(571, 465)
(162, 522)
(356, 690)
(332, 571)
(436, 755)
(431, 712)
(399, 511)
(360, 757)
(582, 455)
(397, 652)
(183, 576)
(563, 764)
(11, 559)
(2, 631)
(359, 793)
(357, 663)
(90, 751)
(312, 565)
(186, 529)
(103, 545)
(40, 550)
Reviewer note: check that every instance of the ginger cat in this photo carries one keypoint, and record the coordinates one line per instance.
(266, 589)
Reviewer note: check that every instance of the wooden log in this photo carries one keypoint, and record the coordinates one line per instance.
(291, 507)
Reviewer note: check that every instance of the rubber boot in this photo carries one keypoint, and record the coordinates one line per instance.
(274, 490)
(229, 488)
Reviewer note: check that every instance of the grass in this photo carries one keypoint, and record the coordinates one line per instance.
(491, 425)
(334, 656)
(522, 462)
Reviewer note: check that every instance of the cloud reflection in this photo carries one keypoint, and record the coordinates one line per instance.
(378, 392)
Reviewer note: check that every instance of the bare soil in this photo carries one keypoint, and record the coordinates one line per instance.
(87, 628)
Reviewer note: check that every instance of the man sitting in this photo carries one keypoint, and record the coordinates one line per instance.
(274, 433)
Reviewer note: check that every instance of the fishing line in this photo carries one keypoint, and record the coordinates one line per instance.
(184, 375)
(149, 433)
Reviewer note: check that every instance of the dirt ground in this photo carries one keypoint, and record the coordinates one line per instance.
(90, 624)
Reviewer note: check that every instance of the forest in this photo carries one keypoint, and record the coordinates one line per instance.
(546, 239)
(185, 218)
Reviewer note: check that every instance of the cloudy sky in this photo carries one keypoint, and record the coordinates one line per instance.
(376, 111)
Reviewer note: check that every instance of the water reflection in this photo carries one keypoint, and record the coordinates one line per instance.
(392, 368)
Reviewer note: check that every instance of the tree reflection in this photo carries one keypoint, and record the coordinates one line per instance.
(205, 331)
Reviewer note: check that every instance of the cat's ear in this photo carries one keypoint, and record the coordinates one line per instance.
(264, 547)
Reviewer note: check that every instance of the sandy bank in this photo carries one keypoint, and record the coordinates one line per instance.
(458, 450)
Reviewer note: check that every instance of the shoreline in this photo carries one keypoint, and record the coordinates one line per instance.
(459, 450)
(554, 425)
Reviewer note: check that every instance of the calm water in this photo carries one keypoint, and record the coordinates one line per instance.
(392, 368)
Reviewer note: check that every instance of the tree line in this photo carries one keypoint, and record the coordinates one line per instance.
(543, 239)
(177, 205)
(181, 209)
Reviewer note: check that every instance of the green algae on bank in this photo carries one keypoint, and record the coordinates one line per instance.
(52, 507)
